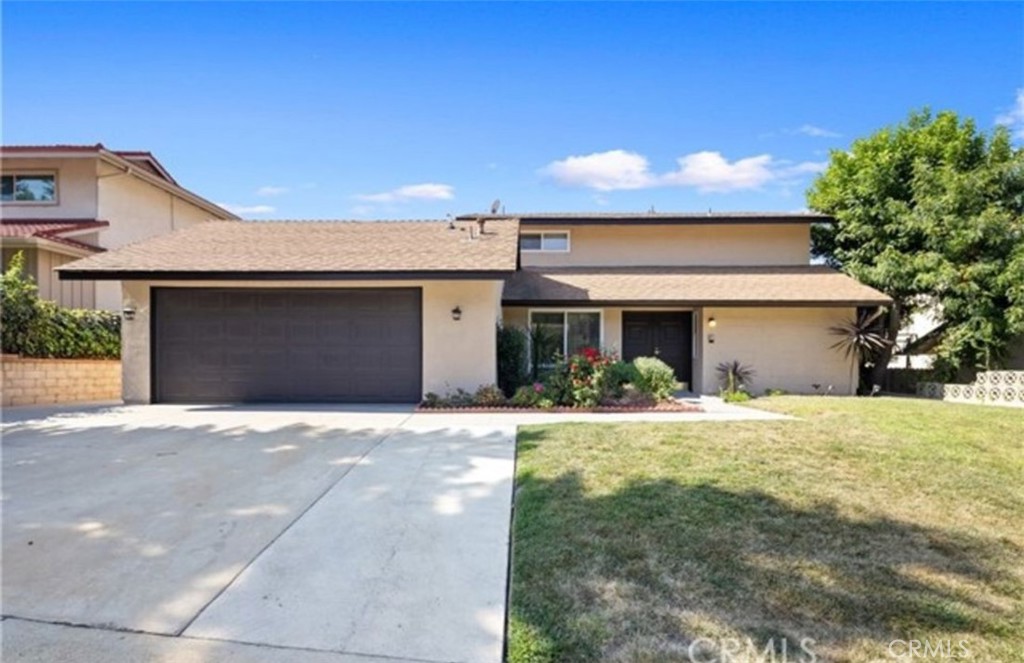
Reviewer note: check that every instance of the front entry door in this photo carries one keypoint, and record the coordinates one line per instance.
(667, 335)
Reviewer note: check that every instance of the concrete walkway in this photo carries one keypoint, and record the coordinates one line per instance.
(243, 533)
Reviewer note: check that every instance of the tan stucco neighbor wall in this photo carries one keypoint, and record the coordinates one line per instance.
(136, 210)
(76, 189)
(30, 381)
(726, 245)
(789, 348)
(456, 354)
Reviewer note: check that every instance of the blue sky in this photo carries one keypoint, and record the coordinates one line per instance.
(339, 110)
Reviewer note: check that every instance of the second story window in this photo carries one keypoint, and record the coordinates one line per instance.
(557, 241)
(28, 188)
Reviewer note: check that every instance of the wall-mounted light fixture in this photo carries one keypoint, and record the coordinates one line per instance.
(128, 312)
(712, 323)
(456, 314)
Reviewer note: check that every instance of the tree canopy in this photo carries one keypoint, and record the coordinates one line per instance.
(931, 211)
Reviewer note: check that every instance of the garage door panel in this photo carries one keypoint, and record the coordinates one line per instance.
(224, 345)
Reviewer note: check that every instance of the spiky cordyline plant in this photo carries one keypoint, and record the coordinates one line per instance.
(860, 339)
(734, 375)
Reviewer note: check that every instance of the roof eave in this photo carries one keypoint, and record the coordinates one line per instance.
(72, 274)
(654, 220)
(49, 245)
(721, 303)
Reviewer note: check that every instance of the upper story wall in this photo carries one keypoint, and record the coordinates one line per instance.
(138, 210)
(676, 245)
(76, 189)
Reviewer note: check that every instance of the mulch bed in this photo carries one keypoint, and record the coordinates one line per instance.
(602, 409)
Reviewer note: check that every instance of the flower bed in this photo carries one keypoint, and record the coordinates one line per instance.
(600, 409)
(590, 381)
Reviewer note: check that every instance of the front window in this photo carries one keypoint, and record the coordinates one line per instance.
(28, 188)
(544, 241)
(564, 333)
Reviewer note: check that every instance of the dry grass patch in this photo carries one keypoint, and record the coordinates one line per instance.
(866, 521)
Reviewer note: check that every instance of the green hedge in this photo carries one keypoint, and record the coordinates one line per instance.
(34, 327)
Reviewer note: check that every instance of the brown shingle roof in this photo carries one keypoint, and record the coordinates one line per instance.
(317, 249)
(725, 286)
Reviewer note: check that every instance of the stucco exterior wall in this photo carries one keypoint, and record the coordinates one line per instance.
(76, 189)
(728, 245)
(456, 354)
(789, 348)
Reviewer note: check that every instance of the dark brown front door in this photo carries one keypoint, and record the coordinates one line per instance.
(236, 345)
(667, 335)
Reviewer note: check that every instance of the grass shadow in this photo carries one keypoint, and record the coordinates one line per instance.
(641, 573)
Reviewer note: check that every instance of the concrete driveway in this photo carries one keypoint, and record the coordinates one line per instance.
(254, 534)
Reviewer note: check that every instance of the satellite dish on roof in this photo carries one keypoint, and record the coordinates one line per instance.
(495, 206)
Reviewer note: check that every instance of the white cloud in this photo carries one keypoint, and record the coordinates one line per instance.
(411, 192)
(604, 171)
(1014, 118)
(816, 132)
(705, 171)
(272, 191)
(710, 171)
(248, 209)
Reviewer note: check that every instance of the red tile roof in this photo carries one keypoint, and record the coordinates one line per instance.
(52, 229)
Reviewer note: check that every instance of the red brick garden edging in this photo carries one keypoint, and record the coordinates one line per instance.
(601, 409)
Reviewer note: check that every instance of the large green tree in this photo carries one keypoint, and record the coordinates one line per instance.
(930, 211)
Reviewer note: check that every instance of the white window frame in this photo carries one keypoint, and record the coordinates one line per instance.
(15, 174)
(542, 233)
(565, 324)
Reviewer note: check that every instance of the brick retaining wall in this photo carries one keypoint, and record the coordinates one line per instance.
(28, 381)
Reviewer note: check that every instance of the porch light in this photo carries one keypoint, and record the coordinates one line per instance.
(456, 314)
(128, 312)
(712, 323)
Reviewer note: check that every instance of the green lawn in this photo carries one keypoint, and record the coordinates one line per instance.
(866, 521)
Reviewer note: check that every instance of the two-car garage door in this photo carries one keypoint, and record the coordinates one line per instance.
(286, 345)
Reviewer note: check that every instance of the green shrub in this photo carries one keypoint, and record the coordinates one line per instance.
(771, 391)
(738, 396)
(529, 395)
(488, 395)
(655, 378)
(34, 327)
(513, 362)
(615, 377)
(577, 380)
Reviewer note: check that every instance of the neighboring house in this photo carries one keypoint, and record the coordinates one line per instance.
(385, 311)
(60, 203)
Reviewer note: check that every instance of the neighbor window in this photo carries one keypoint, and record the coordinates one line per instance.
(564, 333)
(544, 241)
(29, 188)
